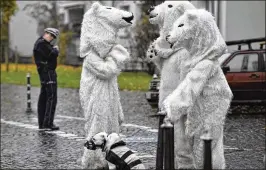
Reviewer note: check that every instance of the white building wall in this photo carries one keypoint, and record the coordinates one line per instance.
(245, 19)
(23, 30)
(237, 19)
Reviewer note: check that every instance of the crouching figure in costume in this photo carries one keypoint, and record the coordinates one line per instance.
(103, 60)
(203, 93)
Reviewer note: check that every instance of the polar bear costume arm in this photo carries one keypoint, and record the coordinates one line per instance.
(163, 48)
(106, 68)
(152, 56)
(119, 54)
(158, 51)
(182, 99)
(101, 68)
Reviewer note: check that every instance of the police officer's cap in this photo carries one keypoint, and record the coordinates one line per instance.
(53, 31)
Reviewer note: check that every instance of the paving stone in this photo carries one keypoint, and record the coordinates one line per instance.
(22, 147)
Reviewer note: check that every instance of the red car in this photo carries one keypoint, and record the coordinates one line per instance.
(245, 71)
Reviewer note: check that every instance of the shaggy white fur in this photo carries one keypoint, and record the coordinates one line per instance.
(169, 62)
(103, 58)
(203, 95)
(166, 59)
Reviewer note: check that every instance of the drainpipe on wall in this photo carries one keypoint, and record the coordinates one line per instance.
(218, 14)
(222, 18)
(207, 5)
(215, 12)
(113, 3)
(213, 7)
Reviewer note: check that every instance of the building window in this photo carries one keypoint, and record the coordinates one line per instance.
(75, 18)
(125, 7)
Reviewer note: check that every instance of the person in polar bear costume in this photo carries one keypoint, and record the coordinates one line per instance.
(103, 59)
(203, 94)
(168, 62)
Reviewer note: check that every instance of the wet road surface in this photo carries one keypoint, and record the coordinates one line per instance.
(23, 145)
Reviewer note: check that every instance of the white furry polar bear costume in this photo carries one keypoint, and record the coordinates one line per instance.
(203, 95)
(168, 61)
(103, 58)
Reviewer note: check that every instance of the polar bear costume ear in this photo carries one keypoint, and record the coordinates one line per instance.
(191, 14)
(96, 6)
(181, 8)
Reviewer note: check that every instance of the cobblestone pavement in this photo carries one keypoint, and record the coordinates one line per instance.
(24, 146)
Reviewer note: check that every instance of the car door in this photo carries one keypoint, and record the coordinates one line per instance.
(245, 76)
(264, 79)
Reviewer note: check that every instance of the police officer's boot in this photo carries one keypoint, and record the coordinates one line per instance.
(54, 127)
(50, 127)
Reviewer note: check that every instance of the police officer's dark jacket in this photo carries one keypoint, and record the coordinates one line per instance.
(45, 55)
(122, 157)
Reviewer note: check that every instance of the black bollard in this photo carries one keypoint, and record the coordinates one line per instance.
(264, 162)
(207, 164)
(29, 110)
(160, 144)
(168, 131)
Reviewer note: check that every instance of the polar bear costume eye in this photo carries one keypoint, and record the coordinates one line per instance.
(181, 25)
(170, 6)
(108, 8)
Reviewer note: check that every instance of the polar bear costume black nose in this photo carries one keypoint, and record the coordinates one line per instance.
(167, 37)
(149, 10)
(129, 19)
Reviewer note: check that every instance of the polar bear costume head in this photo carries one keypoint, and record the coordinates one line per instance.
(197, 32)
(165, 14)
(99, 28)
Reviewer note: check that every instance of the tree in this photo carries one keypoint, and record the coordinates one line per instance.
(145, 33)
(8, 9)
(45, 13)
(65, 38)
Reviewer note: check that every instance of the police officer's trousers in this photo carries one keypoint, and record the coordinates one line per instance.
(47, 99)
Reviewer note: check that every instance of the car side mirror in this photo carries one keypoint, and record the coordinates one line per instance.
(226, 69)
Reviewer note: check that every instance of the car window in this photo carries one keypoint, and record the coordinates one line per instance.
(223, 57)
(244, 62)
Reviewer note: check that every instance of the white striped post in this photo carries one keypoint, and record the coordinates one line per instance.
(29, 110)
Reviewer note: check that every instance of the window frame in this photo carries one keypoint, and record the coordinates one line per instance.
(243, 53)
(263, 63)
(122, 7)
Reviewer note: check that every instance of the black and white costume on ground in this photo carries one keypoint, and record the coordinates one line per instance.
(123, 157)
(116, 151)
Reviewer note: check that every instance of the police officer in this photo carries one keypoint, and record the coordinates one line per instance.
(45, 55)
